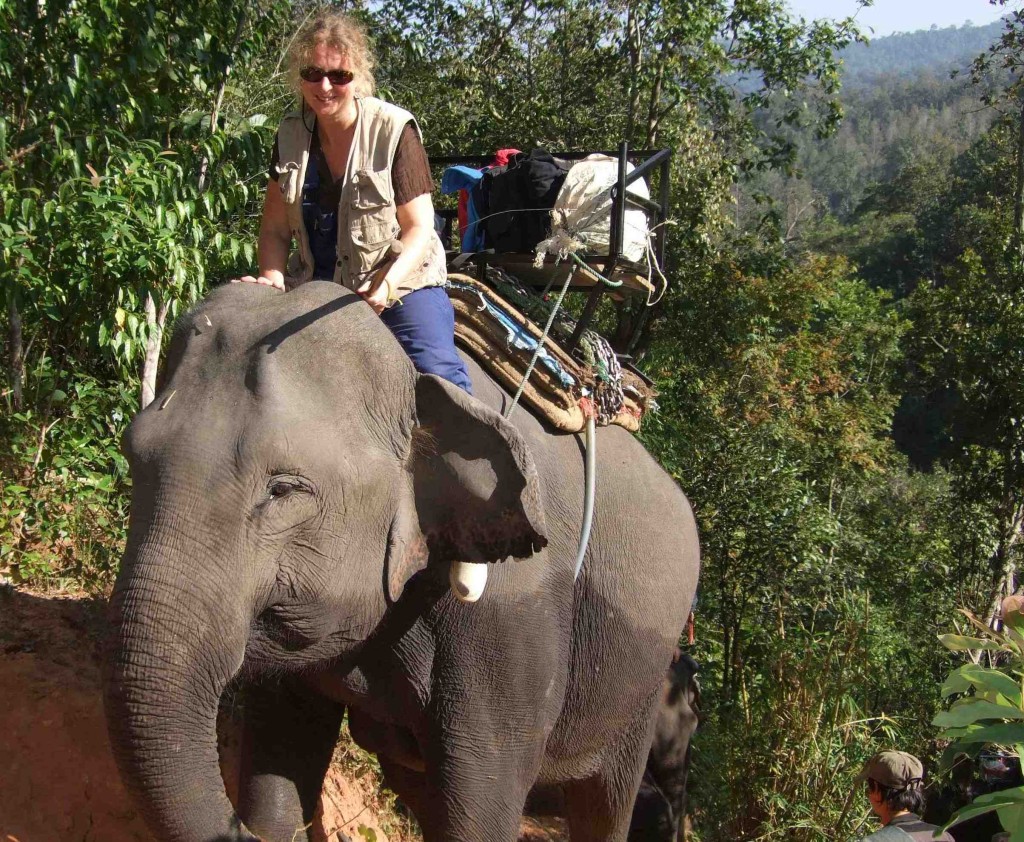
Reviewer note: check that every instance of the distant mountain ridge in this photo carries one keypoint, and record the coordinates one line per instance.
(911, 53)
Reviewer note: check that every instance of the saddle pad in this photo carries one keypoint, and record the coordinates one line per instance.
(503, 341)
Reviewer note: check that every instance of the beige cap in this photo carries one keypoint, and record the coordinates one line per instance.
(893, 769)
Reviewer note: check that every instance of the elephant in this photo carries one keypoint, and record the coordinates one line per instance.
(660, 809)
(299, 495)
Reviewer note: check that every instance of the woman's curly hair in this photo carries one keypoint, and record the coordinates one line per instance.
(343, 33)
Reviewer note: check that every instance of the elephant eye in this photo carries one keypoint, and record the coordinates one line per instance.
(281, 487)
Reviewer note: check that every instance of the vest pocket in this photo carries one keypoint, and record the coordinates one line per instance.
(371, 233)
(288, 181)
(372, 190)
(373, 218)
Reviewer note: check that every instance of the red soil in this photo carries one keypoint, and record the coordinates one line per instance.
(58, 781)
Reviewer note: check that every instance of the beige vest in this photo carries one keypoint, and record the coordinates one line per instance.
(367, 219)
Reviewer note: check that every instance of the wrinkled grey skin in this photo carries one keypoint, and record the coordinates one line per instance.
(299, 493)
(660, 809)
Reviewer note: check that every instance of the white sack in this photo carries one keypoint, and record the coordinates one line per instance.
(583, 208)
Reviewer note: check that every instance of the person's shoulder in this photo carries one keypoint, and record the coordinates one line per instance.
(927, 833)
(386, 109)
(292, 139)
(292, 126)
(887, 834)
(918, 829)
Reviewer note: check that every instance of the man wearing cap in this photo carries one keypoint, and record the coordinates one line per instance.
(894, 781)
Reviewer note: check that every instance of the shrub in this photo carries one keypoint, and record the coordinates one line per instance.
(63, 482)
(988, 707)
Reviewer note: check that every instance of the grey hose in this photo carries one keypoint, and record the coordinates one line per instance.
(588, 499)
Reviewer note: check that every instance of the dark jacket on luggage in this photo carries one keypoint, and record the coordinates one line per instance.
(515, 201)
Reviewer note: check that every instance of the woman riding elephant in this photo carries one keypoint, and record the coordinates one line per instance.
(350, 183)
(298, 505)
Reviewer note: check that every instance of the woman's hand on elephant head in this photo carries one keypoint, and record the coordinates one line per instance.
(277, 282)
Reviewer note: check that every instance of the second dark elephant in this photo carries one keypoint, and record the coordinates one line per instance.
(299, 493)
(660, 809)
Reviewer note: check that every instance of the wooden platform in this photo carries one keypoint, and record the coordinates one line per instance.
(633, 276)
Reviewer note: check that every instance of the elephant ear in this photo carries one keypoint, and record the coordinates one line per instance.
(475, 487)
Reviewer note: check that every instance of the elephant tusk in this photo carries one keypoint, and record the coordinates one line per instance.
(467, 580)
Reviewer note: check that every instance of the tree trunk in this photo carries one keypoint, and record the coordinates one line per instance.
(17, 350)
(214, 117)
(1004, 563)
(635, 49)
(624, 323)
(219, 101)
(155, 321)
(1018, 199)
(654, 114)
(726, 660)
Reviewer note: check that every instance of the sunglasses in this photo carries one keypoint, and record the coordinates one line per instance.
(336, 77)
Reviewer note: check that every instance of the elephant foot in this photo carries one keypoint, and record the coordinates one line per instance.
(467, 580)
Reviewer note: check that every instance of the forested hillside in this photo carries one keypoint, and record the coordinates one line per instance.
(904, 96)
(838, 355)
(909, 53)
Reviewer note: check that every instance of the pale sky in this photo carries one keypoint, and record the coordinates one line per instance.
(888, 16)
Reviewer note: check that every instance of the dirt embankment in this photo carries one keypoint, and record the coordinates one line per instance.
(58, 781)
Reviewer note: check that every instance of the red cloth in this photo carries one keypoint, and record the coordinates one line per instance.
(502, 155)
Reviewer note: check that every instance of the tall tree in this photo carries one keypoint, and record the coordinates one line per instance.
(971, 328)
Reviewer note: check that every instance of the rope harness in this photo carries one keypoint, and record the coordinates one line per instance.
(604, 406)
(609, 397)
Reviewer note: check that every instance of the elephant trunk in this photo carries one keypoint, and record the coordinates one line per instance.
(177, 644)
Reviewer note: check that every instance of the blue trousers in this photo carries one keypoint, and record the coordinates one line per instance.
(424, 324)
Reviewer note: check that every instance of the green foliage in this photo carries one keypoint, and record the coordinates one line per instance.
(777, 392)
(781, 759)
(97, 245)
(125, 176)
(898, 137)
(1005, 56)
(62, 503)
(967, 344)
(987, 707)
